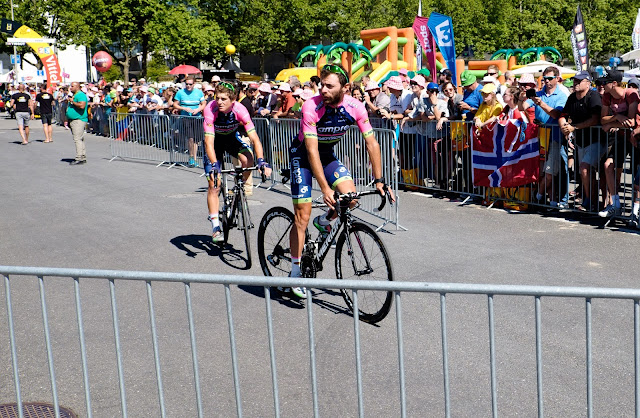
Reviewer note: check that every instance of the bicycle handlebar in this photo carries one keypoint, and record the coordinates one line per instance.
(348, 197)
(240, 170)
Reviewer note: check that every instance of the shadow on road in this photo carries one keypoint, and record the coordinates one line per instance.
(193, 245)
(287, 299)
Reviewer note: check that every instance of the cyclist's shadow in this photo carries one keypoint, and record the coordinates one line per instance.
(193, 245)
(320, 299)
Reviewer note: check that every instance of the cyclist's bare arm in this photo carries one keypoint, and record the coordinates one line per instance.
(373, 149)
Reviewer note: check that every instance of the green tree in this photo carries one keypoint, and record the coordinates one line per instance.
(157, 69)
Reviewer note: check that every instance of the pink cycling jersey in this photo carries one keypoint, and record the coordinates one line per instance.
(329, 124)
(237, 120)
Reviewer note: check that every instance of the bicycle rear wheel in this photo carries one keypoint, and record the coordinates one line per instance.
(274, 250)
(245, 220)
(362, 256)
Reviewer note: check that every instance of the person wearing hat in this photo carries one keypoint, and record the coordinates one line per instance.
(267, 100)
(634, 82)
(619, 109)
(209, 93)
(471, 97)
(190, 102)
(153, 102)
(434, 112)
(287, 101)
(490, 107)
(325, 122)
(548, 104)
(582, 111)
(375, 99)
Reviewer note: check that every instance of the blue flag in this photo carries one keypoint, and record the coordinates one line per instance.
(442, 31)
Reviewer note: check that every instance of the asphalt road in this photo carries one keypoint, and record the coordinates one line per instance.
(132, 215)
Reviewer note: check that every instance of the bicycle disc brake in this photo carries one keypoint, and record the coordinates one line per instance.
(308, 266)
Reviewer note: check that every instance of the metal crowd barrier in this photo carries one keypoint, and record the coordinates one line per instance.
(440, 160)
(351, 151)
(174, 139)
(143, 380)
(143, 137)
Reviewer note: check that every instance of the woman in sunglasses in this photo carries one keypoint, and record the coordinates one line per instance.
(227, 128)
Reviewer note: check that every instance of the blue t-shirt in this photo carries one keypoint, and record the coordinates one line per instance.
(473, 99)
(556, 100)
(190, 99)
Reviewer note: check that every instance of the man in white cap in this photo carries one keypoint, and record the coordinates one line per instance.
(375, 99)
(267, 100)
(287, 102)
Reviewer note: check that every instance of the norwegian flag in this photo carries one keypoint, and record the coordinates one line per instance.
(503, 156)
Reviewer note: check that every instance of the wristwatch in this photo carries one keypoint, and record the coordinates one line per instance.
(380, 180)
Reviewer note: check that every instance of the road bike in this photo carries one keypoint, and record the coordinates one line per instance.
(234, 210)
(360, 253)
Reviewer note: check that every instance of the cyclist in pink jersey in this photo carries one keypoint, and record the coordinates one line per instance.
(227, 127)
(325, 121)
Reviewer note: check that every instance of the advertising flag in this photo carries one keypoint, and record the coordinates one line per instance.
(635, 36)
(579, 42)
(441, 28)
(425, 39)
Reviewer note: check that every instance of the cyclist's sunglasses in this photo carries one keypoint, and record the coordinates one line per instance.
(227, 85)
(332, 68)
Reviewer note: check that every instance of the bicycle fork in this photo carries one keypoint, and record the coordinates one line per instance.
(368, 269)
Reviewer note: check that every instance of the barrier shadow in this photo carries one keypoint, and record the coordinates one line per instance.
(294, 302)
(193, 245)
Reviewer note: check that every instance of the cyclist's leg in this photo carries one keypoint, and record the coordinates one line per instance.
(339, 179)
(244, 154)
(212, 198)
(301, 179)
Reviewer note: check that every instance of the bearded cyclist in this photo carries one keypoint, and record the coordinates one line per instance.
(227, 127)
(325, 120)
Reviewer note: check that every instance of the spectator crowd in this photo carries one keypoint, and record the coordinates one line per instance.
(586, 124)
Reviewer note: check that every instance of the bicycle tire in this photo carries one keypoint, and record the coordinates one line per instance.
(243, 213)
(373, 305)
(274, 251)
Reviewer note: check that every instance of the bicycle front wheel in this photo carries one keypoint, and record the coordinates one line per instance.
(361, 255)
(246, 224)
(274, 250)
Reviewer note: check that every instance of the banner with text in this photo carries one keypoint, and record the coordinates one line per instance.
(425, 39)
(441, 28)
(580, 43)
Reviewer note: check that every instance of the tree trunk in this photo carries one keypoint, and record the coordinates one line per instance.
(145, 52)
(261, 63)
(125, 66)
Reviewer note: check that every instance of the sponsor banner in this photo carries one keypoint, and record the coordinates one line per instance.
(441, 28)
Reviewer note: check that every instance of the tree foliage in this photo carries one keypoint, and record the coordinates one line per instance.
(193, 30)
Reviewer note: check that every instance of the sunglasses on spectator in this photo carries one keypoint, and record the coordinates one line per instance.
(433, 90)
(549, 78)
(189, 84)
(492, 73)
(413, 83)
(227, 85)
(450, 89)
(332, 68)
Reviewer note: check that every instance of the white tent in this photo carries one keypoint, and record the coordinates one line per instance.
(635, 72)
(536, 68)
(635, 54)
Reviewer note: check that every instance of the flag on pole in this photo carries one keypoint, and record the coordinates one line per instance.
(635, 36)
(418, 47)
(580, 43)
(426, 42)
(441, 28)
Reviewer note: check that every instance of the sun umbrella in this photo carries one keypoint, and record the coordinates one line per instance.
(537, 67)
(184, 69)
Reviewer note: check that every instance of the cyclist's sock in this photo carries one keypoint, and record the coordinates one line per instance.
(295, 267)
(215, 222)
(636, 208)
